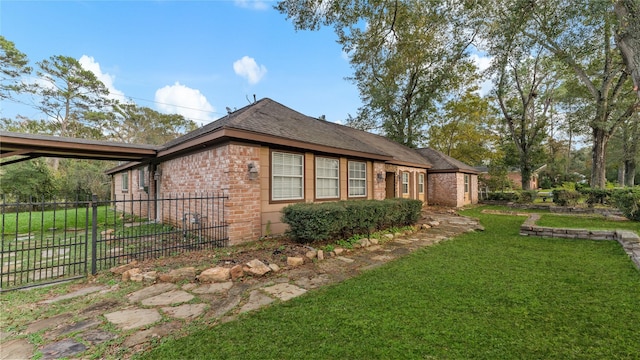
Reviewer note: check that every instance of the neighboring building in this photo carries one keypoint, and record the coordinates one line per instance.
(266, 156)
(451, 182)
(514, 176)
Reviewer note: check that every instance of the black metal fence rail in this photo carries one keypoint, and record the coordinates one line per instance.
(48, 241)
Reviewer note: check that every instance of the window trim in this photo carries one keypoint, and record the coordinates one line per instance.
(467, 184)
(141, 178)
(337, 178)
(272, 176)
(124, 184)
(349, 178)
(405, 186)
(420, 183)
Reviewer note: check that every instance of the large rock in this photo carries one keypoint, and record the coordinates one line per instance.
(216, 274)
(257, 267)
(295, 261)
(236, 272)
(131, 273)
(187, 273)
(133, 318)
(122, 268)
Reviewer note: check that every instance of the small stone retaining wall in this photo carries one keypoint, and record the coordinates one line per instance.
(628, 239)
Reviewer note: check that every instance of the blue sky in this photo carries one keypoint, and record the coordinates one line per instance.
(191, 57)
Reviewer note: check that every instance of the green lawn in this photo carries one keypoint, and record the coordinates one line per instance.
(485, 295)
(591, 222)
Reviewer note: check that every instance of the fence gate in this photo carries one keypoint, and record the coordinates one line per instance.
(46, 241)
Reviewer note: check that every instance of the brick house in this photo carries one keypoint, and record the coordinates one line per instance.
(452, 182)
(266, 156)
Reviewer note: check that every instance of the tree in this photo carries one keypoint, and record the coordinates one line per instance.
(133, 124)
(13, 65)
(27, 179)
(406, 54)
(67, 92)
(580, 34)
(524, 93)
(465, 130)
(628, 37)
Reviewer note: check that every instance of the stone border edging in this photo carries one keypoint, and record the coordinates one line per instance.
(629, 240)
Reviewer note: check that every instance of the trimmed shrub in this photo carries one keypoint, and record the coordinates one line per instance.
(503, 196)
(566, 197)
(628, 201)
(596, 196)
(310, 222)
(527, 196)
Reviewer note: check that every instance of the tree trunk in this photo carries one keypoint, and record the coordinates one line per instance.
(621, 174)
(628, 13)
(630, 172)
(525, 174)
(598, 174)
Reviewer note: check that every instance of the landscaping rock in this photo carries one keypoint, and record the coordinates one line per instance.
(75, 294)
(257, 267)
(274, 267)
(126, 276)
(16, 349)
(122, 268)
(294, 261)
(311, 254)
(96, 336)
(216, 274)
(187, 273)
(159, 331)
(389, 236)
(338, 251)
(46, 323)
(364, 242)
(236, 272)
(320, 255)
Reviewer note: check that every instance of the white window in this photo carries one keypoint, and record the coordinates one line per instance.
(327, 178)
(141, 178)
(405, 182)
(287, 181)
(466, 183)
(357, 178)
(125, 181)
(421, 183)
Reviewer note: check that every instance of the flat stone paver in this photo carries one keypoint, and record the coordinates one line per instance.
(16, 349)
(213, 288)
(285, 291)
(47, 323)
(134, 318)
(81, 292)
(256, 301)
(185, 311)
(62, 349)
(75, 327)
(151, 291)
(169, 298)
(345, 259)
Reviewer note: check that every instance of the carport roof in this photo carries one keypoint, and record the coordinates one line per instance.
(31, 146)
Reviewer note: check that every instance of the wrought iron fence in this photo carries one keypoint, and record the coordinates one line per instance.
(47, 241)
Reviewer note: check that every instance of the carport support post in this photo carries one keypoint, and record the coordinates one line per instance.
(94, 233)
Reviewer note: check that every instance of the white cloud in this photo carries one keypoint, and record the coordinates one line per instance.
(89, 63)
(188, 102)
(252, 4)
(249, 69)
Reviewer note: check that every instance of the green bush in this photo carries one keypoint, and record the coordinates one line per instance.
(503, 196)
(596, 196)
(323, 221)
(566, 197)
(527, 196)
(628, 201)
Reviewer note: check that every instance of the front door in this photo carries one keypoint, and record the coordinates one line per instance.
(390, 185)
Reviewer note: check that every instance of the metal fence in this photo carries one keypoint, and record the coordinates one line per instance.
(47, 241)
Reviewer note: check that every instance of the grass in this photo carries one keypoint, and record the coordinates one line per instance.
(485, 295)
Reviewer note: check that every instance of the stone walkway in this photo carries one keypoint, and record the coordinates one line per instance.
(162, 308)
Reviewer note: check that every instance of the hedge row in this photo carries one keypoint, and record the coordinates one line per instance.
(310, 222)
(628, 201)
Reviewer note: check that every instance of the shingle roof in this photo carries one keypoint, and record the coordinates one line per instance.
(268, 117)
(442, 162)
